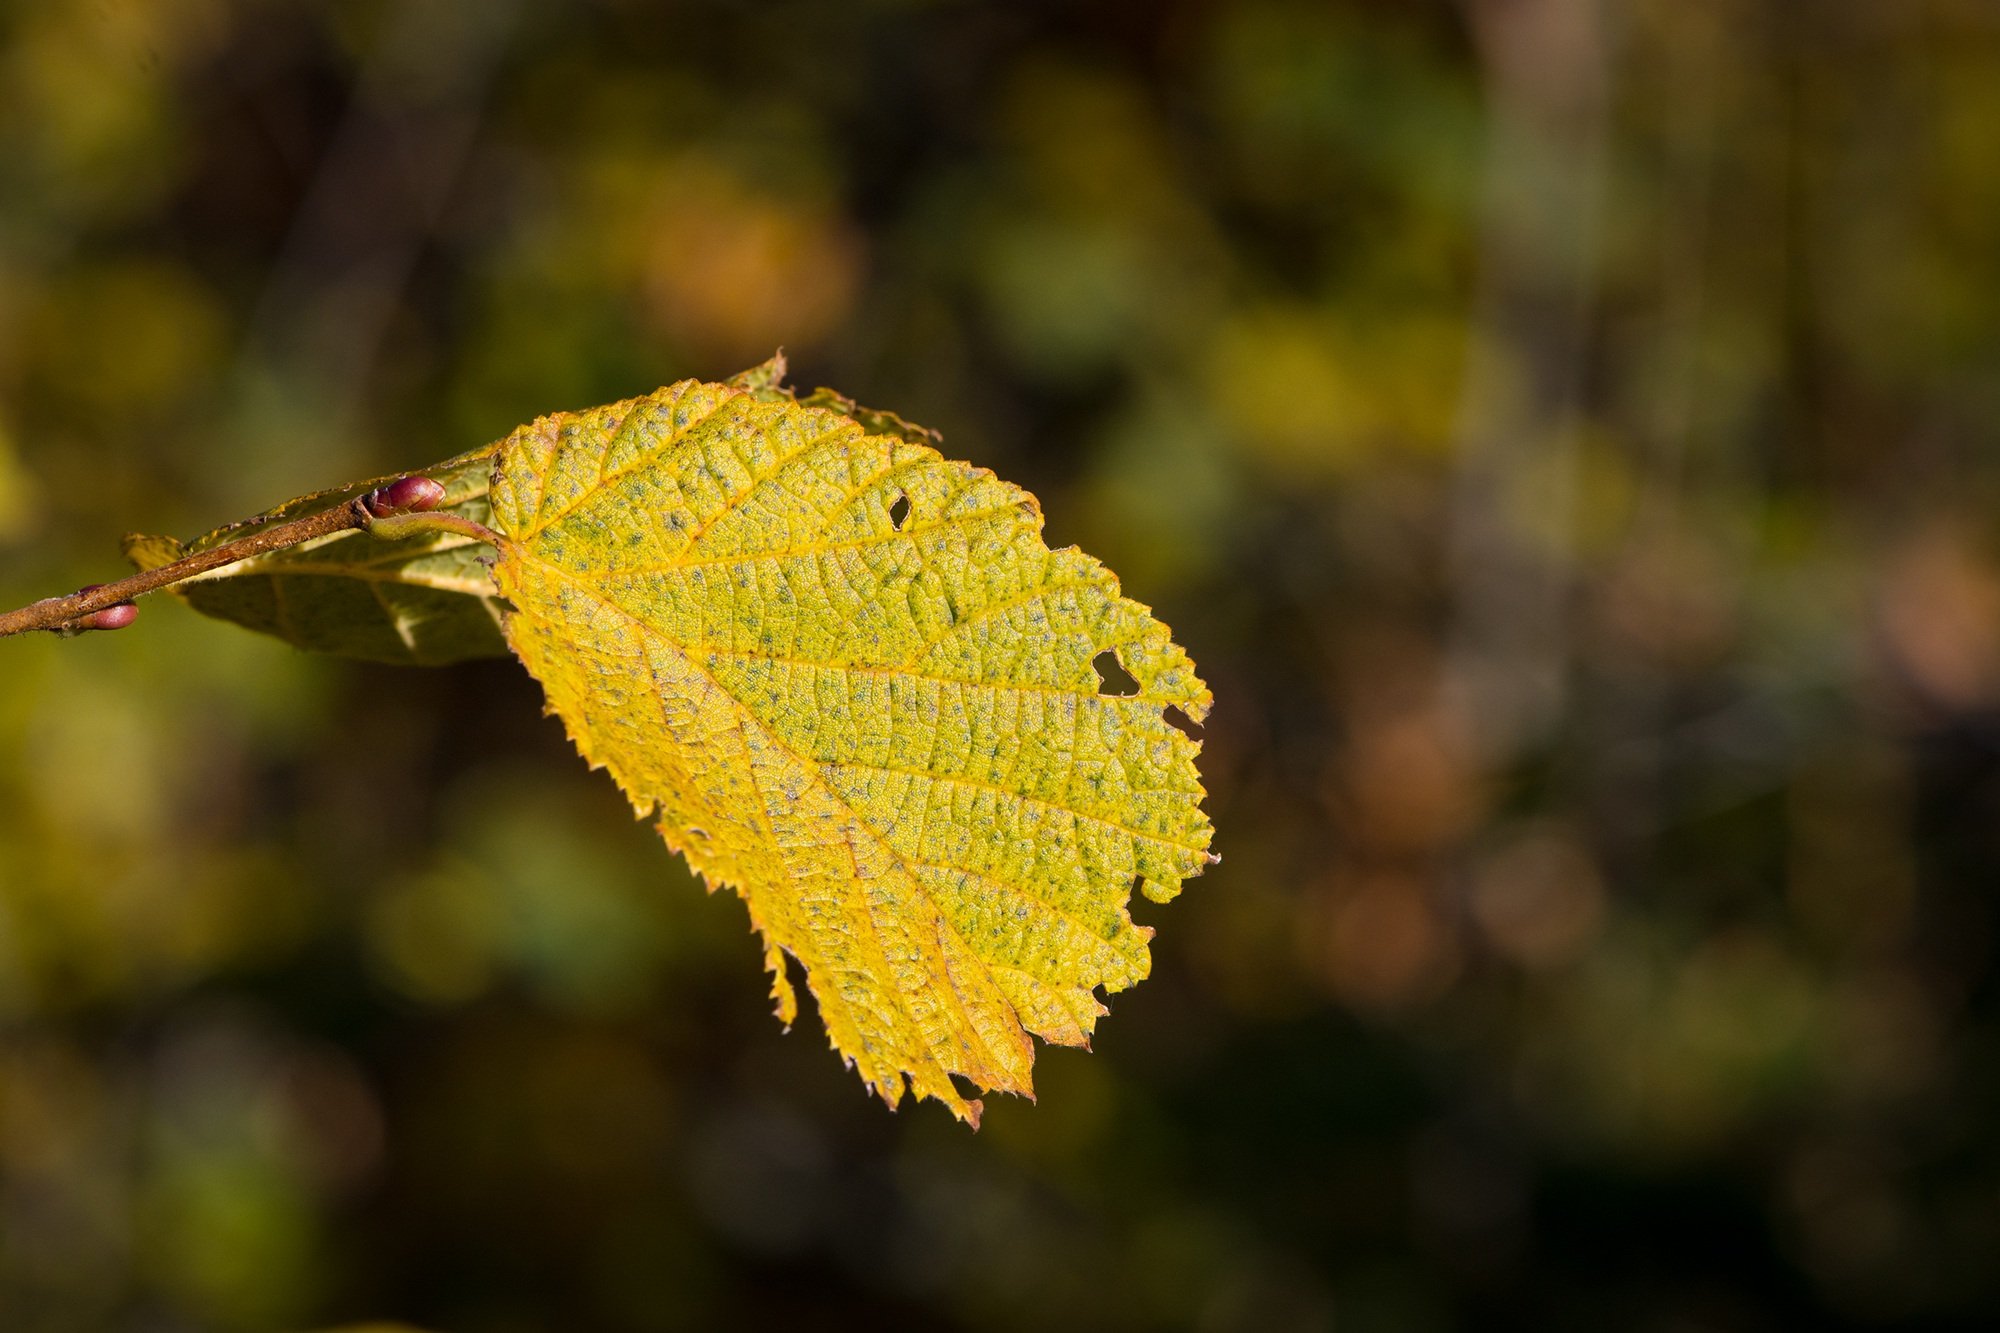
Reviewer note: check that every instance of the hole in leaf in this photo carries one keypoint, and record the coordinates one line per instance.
(1112, 677)
(899, 512)
(1143, 911)
(1182, 723)
(795, 973)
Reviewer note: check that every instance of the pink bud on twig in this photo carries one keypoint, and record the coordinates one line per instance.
(110, 617)
(405, 495)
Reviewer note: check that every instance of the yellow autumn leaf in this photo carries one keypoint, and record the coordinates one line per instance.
(858, 688)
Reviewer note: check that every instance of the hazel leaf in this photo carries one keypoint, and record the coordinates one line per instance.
(855, 686)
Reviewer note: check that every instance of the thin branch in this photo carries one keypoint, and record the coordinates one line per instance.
(62, 614)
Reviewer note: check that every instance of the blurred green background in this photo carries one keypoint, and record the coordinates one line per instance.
(1563, 431)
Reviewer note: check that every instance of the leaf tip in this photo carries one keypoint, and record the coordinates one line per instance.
(762, 379)
(147, 552)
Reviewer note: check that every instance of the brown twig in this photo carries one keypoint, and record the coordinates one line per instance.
(364, 511)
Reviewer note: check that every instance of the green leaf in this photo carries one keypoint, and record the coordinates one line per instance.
(421, 601)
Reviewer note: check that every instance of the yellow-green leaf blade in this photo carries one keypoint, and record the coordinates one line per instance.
(420, 601)
(857, 688)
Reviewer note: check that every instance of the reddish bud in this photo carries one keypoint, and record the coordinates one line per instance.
(406, 495)
(111, 617)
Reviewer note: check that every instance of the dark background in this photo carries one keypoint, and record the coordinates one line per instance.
(1562, 431)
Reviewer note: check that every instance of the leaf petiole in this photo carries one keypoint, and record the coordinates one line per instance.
(396, 527)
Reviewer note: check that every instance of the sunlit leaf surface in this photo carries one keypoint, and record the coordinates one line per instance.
(857, 688)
